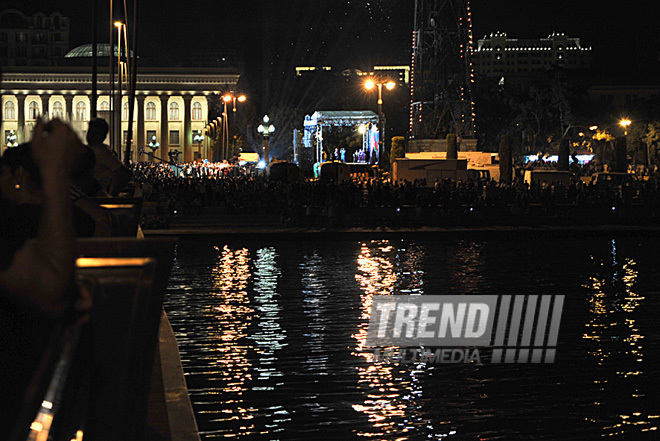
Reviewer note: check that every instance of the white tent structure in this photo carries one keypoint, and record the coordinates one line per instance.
(315, 123)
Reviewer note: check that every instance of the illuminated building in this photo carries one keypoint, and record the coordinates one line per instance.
(498, 55)
(171, 103)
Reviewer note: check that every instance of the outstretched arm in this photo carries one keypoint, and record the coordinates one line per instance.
(41, 268)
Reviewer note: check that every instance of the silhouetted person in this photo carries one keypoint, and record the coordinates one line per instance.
(110, 173)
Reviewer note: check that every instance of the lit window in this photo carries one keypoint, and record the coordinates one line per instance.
(104, 105)
(151, 111)
(174, 112)
(58, 110)
(174, 137)
(33, 110)
(196, 111)
(81, 111)
(124, 112)
(10, 110)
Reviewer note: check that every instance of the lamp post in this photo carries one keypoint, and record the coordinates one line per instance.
(121, 66)
(389, 85)
(266, 129)
(153, 144)
(625, 123)
(12, 139)
(226, 99)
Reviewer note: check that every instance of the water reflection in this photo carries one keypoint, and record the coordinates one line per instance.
(232, 312)
(616, 341)
(269, 336)
(391, 391)
(315, 297)
(272, 341)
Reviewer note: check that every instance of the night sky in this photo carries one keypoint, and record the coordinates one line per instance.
(272, 37)
(358, 32)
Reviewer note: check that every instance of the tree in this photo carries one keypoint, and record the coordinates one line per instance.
(564, 152)
(506, 164)
(620, 154)
(398, 149)
(652, 140)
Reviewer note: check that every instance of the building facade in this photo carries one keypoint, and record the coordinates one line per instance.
(36, 40)
(170, 103)
(498, 55)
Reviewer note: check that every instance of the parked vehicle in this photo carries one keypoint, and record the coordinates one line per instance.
(548, 176)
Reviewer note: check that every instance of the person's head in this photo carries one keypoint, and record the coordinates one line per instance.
(97, 130)
(19, 174)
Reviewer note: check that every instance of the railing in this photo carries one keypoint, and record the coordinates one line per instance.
(94, 378)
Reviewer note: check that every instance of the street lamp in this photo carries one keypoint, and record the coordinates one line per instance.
(389, 85)
(153, 144)
(265, 129)
(625, 123)
(121, 65)
(226, 99)
(12, 139)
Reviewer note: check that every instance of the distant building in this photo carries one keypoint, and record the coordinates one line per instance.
(303, 70)
(497, 55)
(398, 73)
(37, 40)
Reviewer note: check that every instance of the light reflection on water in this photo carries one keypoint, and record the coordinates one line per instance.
(272, 340)
(617, 340)
(388, 402)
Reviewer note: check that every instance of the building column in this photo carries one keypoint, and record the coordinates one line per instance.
(211, 154)
(187, 132)
(164, 128)
(45, 102)
(21, 118)
(141, 144)
(68, 108)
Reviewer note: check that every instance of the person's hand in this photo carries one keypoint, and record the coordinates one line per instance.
(55, 147)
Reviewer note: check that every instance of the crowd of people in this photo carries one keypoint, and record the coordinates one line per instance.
(375, 201)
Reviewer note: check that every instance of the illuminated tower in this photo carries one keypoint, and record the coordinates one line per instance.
(442, 76)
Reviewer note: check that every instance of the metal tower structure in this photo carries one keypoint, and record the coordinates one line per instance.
(442, 75)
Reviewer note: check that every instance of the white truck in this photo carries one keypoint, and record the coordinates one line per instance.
(429, 169)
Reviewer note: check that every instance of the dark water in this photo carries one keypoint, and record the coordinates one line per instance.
(271, 337)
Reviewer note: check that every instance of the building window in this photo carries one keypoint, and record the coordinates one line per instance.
(151, 112)
(174, 112)
(33, 110)
(104, 106)
(174, 137)
(124, 112)
(196, 111)
(125, 137)
(151, 135)
(81, 111)
(58, 110)
(10, 110)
